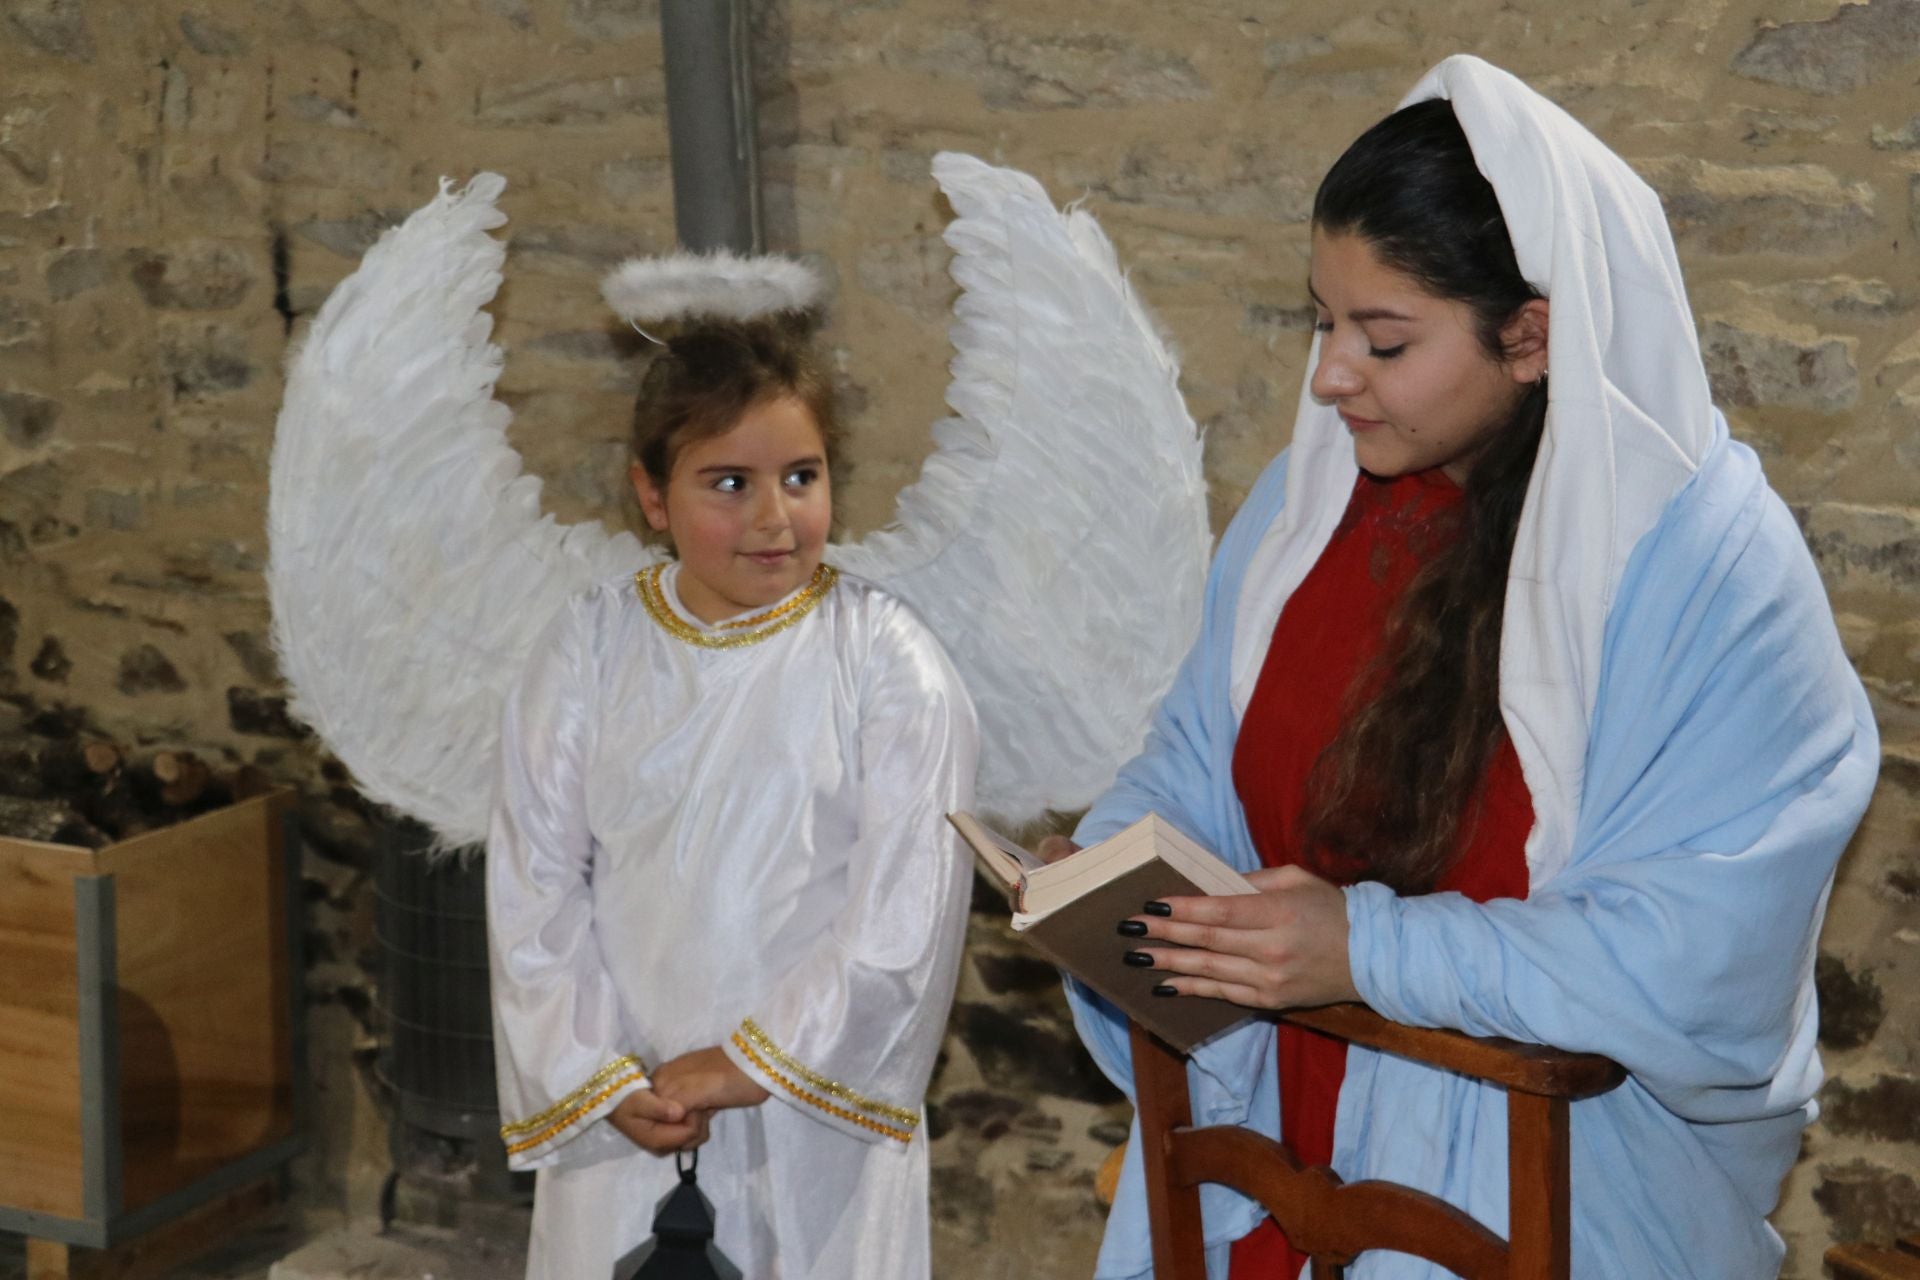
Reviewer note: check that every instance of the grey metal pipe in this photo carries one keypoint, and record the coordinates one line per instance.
(711, 124)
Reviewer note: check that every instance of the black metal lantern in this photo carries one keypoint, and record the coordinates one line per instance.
(681, 1247)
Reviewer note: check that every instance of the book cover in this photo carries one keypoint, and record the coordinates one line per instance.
(1079, 935)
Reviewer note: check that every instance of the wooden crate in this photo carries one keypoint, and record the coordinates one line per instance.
(149, 1023)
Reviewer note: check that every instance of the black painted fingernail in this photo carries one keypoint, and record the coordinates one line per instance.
(1165, 989)
(1133, 928)
(1138, 959)
(1157, 909)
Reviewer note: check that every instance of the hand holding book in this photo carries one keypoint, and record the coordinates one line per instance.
(1284, 947)
(1054, 848)
(1067, 904)
(1221, 942)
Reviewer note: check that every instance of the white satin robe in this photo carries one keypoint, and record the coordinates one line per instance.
(747, 848)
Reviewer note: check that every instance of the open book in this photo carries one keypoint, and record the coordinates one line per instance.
(1068, 910)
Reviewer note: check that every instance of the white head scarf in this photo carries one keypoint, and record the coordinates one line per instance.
(1629, 419)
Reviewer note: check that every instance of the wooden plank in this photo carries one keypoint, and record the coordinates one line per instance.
(206, 1028)
(40, 1132)
(159, 1252)
(1529, 1068)
(1330, 1220)
(49, 1260)
(1872, 1262)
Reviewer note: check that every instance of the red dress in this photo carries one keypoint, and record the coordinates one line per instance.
(1327, 634)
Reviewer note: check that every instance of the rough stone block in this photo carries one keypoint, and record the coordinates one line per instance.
(1904, 138)
(1859, 43)
(575, 246)
(349, 237)
(1851, 1004)
(405, 1251)
(1843, 296)
(557, 101)
(1029, 1059)
(255, 654)
(317, 108)
(1734, 210)
(212, 38)
(58, 27)
(251, 712)
(211, 362)
(514, 11)
(1254, 181)
(196, 275)
(1787, 367)
(113, 509)
(1014, 974)
(1868, 1201)
(27, 142)
(908, 271)
(355, 161)
(614, 19)
(1887, 1110)
(27, 419)
(1766, 127)
(72, 272)
(1045, 70)
(632, 179)
(51, 662)
(146, 670)
(1269, 319)
(1902, 418)
(350, 26)
(1878, 544)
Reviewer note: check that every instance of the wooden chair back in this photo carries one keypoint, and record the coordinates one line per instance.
(1898, 1261)
(1334, 1221)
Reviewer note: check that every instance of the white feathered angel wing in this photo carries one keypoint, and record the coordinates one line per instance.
(411, 568)
(1057, 539)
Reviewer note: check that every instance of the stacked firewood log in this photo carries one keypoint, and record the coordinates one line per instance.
(92, 791)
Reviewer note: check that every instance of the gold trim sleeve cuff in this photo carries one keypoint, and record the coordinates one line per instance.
(817, 1091)
(581, 1104)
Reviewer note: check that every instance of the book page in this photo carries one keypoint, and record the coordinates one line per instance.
(1086, 870)
(1007, 859)
(1198, 863)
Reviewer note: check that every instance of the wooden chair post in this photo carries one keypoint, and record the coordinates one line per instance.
(1539, 1194)
(1332, 1221)
(1160, 1090)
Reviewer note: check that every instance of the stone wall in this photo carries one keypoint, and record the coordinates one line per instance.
(182, 181)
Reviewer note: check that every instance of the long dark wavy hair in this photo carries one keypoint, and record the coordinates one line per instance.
(1392, 797)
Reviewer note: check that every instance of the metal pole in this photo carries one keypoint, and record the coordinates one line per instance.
(711, 123)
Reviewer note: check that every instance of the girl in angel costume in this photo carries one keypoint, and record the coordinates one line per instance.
(725, 907)
(1519, 683)
(719, 870)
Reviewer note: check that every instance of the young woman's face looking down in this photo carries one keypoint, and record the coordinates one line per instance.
(1406, 370)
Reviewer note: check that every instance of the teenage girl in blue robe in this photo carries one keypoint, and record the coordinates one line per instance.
(1663, 664)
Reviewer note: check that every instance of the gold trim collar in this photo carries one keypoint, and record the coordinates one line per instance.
(736, 633)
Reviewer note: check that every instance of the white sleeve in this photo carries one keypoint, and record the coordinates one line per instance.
(849, 1036)
(563, 1056)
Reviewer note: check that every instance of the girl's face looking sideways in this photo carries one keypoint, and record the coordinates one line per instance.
(748, 510)
(1407, 370)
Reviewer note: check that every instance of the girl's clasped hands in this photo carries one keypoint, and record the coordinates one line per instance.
(675, 1113)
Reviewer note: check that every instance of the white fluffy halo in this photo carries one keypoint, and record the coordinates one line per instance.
(719, 285)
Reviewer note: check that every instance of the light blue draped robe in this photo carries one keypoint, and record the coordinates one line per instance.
(1731, 754)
